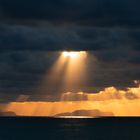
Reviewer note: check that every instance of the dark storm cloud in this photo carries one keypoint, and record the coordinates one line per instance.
(108, 44)
(30, 29)
(135, 38)
(96, 12)
(60, 38)
(23, 68)
(135, 60)
(24, 56)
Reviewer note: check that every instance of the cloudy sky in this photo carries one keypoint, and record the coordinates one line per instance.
(31, 31)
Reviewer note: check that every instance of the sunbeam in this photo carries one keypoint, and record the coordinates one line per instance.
(68, 72)
(75, 70)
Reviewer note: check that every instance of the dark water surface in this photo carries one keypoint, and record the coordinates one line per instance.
(42, 128)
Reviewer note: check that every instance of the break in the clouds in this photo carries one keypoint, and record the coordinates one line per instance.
(31, 32)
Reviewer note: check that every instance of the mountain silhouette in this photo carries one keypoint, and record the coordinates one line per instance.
(93, 113)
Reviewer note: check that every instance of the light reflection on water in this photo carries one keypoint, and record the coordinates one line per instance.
(74, 117)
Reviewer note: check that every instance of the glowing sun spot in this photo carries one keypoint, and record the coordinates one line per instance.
(73, 54)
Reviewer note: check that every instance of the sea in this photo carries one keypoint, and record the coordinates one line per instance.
(82, 128)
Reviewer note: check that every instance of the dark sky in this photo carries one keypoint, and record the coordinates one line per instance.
(30, 29)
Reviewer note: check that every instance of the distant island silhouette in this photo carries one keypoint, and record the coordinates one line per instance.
(93, 113)
(8, 113)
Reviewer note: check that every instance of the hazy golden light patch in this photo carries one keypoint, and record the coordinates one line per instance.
(56, 68)
(54, 74)
(121, 107)
(118, 102)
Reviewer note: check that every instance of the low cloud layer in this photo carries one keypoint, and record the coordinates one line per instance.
(111, 100)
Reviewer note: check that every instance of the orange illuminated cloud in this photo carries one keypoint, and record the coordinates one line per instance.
(115, 102)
